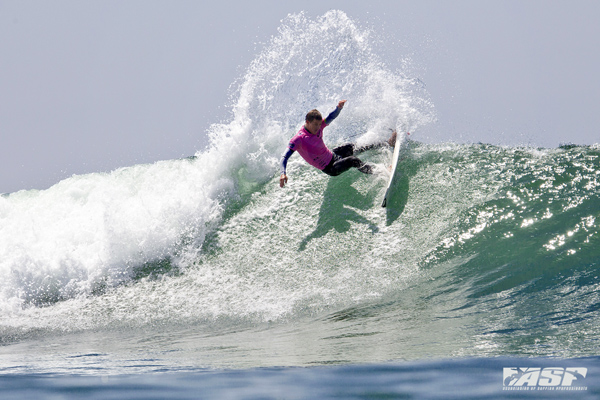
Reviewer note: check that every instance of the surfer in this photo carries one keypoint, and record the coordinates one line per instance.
(309, 143)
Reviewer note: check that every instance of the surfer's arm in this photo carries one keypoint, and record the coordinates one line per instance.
(284, 160)
(333, 115)
(283, 166)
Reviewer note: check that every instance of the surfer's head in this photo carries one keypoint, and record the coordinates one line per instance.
(314, 115)
(314, 119)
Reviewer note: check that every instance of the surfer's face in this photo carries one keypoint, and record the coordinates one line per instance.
(313, 126)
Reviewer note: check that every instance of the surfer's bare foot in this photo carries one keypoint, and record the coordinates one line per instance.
(392, 140)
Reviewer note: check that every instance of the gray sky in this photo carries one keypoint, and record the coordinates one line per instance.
(95, 85)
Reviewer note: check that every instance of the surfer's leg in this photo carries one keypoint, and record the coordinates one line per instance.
(360, 149)
(344, 164)
(344, 151)
(344, 159)
(390, 142)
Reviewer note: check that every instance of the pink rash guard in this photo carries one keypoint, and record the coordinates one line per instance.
(311, 147)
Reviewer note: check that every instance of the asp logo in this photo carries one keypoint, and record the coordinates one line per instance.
(553, 378)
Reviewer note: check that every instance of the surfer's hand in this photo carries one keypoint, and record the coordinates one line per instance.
(341, 104)
(282, 180)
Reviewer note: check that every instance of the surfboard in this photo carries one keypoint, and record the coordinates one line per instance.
(395, 157)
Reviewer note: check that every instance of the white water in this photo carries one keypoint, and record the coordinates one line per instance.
(73, 244)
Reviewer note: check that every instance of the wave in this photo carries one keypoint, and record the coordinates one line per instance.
(212, 239)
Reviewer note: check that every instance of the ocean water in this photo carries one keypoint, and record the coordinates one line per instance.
(201, 278)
